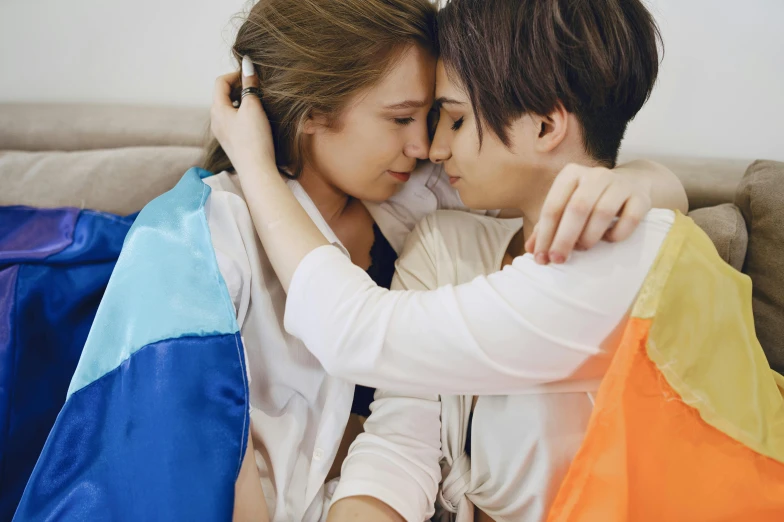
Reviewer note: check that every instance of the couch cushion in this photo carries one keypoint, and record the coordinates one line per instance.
(708, 181)
(725, 226)
(120, 181)
(43, 126)
(760, 197)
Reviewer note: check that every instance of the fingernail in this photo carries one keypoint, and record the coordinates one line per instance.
(541, 258)
(247, 66)
(557, 258)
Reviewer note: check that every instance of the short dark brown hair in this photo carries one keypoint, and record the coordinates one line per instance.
(599, 58)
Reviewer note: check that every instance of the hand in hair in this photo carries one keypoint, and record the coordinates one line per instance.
(244, 132)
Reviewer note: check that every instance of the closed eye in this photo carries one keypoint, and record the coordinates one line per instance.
(404, 121)
(456, 125)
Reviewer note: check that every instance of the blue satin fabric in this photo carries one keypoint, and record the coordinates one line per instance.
(54, 267)
(161, 437)
(166, 285)
(156, 416)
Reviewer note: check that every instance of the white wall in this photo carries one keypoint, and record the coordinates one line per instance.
(158, 52)
(721, 85)
(720, 90)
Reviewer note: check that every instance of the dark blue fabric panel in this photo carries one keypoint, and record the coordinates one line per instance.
(159, 438)
(48, 315)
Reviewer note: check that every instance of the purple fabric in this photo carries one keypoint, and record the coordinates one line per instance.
(8, 278)
(34, 234)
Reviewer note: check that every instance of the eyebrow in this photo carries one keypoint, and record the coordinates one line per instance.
(446, 101)
(408, 104)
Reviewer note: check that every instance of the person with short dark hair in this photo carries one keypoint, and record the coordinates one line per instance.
(524, 88)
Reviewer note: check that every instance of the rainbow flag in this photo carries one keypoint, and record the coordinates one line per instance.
(155, 422)
(688, 423)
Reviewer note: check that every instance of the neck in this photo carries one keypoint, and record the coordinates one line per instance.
(329, 200)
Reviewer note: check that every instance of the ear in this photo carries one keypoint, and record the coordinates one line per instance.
(552, 129)
(314, 123)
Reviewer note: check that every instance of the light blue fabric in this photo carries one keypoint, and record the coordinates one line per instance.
(167, 274)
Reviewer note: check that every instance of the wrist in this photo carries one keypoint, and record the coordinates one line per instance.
(257, 168)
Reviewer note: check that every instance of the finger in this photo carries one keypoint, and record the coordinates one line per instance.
(530, 243)
(249, 76)
(562, 189)
(633, 212)
(607, 208)
(222, 94)
(249, 79)
(575, 218)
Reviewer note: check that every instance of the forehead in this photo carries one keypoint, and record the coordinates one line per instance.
(412, 77)
(445, 87)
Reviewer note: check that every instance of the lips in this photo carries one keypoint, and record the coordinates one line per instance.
(453, 180)
(400, 176)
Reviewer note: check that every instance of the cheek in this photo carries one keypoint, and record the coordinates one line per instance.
(356, 163)
(465, 156)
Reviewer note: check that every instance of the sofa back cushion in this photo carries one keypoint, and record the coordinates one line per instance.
(760, 197)
(725, 226)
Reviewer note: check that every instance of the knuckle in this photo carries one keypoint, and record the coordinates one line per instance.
(589, 239)
(634, 217)
(549, 214)
(580, 208)
(569, 172)
(633, 221)
(605, 213)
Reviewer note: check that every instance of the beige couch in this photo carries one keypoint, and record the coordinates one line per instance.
(116, 159)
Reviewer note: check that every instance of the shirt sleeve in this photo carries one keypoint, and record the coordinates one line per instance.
(225, 213)
(396, 458)
(499, 334)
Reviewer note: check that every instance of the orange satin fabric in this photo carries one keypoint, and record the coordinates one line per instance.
(648, 457)
(688, 424)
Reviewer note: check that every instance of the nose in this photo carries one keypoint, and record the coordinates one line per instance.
(418, 145)
(439, 149)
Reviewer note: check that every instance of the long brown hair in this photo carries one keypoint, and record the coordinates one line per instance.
(313, 56)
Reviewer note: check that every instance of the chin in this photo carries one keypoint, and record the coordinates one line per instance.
(470, 200)
(379, 193)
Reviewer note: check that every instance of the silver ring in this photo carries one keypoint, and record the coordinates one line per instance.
(255, 91)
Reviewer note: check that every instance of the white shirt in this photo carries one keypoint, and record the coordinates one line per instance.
(298, 411)
(546, 333)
